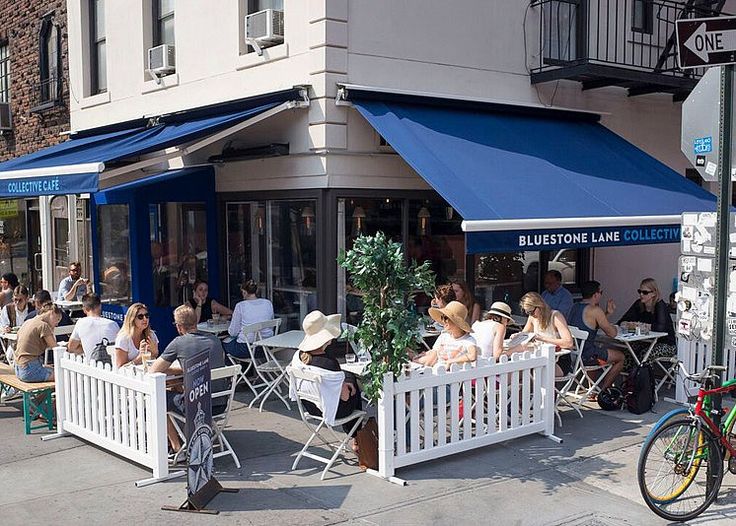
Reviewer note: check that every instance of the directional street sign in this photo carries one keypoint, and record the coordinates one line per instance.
(706, 41)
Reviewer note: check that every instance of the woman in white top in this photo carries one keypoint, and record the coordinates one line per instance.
(455, 344)
(135, 336)
(490, 333)
(251, 310)
(549, 326)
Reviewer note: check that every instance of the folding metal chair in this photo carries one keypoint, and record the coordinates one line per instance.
(219, 422)
(270, 370)
(567, 382)
(669, 367)
(253, 329)
(583, 377)
(305, 385)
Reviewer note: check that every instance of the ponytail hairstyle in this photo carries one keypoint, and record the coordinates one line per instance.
(249, 287)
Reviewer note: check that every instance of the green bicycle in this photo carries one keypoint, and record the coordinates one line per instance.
(681, 464)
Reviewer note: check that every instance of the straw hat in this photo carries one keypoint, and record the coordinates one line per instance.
(319, 329)
(499, 308)
(454, 310)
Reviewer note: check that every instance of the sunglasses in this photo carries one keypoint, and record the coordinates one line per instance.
(144, 315)
(644, 292)
(444, 319)
(530, 312)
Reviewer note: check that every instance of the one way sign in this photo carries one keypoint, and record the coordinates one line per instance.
(706, 42)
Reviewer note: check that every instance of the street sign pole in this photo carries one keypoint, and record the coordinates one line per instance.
(723, 223)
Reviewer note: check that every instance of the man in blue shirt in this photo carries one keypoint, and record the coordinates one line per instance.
(74, 286)
(555, 295)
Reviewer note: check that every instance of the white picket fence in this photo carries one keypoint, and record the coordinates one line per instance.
(420, 417)
(695, 355)
(123, 411)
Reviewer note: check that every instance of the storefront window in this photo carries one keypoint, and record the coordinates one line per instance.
(13, 239)
(178, 250)
(292, 260)
(505, 277)
(60, 236)
(113, 238)
(246, 247)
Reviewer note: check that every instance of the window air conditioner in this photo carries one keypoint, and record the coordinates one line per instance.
(265, 28)
(161, 59)
(6, 123)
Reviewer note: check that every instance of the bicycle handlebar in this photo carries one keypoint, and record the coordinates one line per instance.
(702, 375)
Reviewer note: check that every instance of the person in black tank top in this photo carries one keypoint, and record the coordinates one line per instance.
(203, 305)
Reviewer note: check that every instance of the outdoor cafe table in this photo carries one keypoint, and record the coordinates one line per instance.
(9, 337)
(69, 306)
(286, 341)
(624, 340)
(216, 328)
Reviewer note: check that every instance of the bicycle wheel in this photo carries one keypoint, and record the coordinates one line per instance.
(680, 471)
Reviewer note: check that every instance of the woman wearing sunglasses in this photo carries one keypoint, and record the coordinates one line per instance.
(549, 326)
(652, 309)
(135, 337)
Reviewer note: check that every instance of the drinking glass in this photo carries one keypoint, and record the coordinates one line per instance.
(216, 317)
(145, 357)
(350, 358)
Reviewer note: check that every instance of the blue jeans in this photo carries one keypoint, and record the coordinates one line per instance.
(240, 350)
(33, 372)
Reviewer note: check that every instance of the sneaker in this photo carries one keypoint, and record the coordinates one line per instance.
(11, 393)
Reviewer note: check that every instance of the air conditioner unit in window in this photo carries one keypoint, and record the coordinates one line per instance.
(264, 28)
(6, 124)
(161, 59)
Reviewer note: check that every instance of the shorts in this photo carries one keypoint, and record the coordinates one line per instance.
(595, 355)
(33, 372)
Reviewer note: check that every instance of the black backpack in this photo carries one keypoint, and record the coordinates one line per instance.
(639, 389)
(99, 353)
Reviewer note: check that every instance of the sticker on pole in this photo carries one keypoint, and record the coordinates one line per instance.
(731, 324)
(703, 145)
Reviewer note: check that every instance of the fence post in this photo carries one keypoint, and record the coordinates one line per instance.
(548, 392)
(60, 390)
(386, 428)
(158, 443)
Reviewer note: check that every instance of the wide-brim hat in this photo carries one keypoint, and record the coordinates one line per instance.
(499, 308)
(319, 329)
(454, 310)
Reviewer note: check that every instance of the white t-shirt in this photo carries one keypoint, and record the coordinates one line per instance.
(251, 311)
(448, 347)
(91, 330)
(123, 341)
(20, 316)
(484, 333)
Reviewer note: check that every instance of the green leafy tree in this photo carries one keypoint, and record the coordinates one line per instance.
(390, 324)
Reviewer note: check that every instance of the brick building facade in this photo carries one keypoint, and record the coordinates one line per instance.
(35, 33)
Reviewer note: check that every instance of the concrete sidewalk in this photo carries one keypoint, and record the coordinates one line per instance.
(589, 479)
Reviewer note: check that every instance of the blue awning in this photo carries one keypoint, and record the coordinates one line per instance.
(74, 166)
(531, 181)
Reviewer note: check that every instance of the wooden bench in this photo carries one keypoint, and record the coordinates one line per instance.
(37, 398)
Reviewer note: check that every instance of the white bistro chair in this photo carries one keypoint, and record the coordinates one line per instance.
(305, 384)
(583, 380)
(253, 329)
(270, 370)
(564, 384)
(219, 422)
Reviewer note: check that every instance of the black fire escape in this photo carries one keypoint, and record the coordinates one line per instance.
(626, 43)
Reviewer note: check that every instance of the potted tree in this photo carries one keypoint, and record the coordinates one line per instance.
(390, 324)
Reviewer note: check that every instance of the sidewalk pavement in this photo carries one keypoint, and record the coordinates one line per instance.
(589, 479)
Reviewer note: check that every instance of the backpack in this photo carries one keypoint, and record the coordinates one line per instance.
(99, 353)
(611, 399)
(639, 389)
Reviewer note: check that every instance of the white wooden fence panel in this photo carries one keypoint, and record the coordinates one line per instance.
(123, 411)
(500, 401)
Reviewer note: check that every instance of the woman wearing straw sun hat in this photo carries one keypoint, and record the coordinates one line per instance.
(319, 331)
(455, 344)
(490, 333)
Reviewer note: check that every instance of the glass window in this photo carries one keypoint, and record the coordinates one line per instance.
(49, 60)
(4, 72)
(178, 250)
(292, 260)
(566, 263)
(164, 22)
(506, 277)
(113, 239)
(259, 5)
(98, 43)
(643, 15)
(246, 247)
(13, 239)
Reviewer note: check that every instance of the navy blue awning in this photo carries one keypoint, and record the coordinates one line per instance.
(74, 166)
(526, 181)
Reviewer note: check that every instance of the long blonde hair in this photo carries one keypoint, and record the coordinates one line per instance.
(128, 327)
(468, 298)
(532, 300)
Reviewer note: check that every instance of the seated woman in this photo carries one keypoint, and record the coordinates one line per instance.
(135, 337)
(203, 305)
(8, 282)
(490, 333)
(442, 296)
(15, 313)
(455, 344)
(549, 326)
(464, 296)
(251, 310)
(34, 337)
(651, 308)
(319, 331)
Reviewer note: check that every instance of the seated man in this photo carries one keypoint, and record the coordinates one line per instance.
(555, 295)
(74, 286)
(189, 342)
(41, 298)
(15, 313)
(589, 317)
(92, 329)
